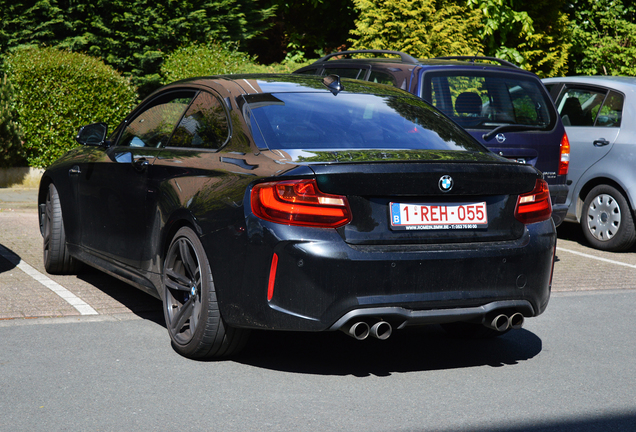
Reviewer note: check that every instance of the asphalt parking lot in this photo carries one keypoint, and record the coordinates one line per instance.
(27, 291)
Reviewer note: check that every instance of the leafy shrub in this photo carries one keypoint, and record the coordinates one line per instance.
(57, 92)
(214, 59)
(10, 143)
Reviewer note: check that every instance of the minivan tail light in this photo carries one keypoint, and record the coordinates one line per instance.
(299, 202)
(534, 206)
(564, 161)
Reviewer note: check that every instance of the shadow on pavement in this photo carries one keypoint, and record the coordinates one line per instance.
(426, 348)
(141, 304)
(622, 422)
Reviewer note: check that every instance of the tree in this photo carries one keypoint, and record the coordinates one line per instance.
(421, 28)
(304, 29)
(133, 36)
(534, 35)
(604, 37)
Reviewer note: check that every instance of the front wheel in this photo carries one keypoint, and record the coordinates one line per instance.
(607, 220)
(194, 322)
(57, 259)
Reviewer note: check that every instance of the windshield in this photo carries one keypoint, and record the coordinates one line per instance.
(489, 100)
(351, 121)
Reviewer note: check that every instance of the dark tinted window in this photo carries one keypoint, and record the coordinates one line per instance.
(587, 106)
(353, 121)
(381, 78)
(355, 73)
(490, 100)
(154, 125)
(204, 125)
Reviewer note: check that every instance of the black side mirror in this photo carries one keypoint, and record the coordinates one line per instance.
(93, 134)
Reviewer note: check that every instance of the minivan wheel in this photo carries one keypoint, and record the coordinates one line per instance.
(607, 220)
(194, 322)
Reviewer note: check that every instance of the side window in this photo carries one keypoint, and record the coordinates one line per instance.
(205, 124)
(355, 73)
(153, 126)
(611, 112)
(580, 106)
(382, 78)
(308, 72)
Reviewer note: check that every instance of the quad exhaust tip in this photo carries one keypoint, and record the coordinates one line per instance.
(360, 330)
(503, 322)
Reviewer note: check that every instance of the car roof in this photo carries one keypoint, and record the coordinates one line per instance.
(406, 62)
(287, 83)
(622, 83)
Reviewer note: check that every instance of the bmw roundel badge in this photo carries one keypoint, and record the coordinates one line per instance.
(445, 183)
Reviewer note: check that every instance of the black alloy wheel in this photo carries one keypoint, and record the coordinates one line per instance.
(194, 322)
(55, 252)
(607, 220)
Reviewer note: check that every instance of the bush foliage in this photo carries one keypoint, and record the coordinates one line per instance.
(59, 91)
(215, 59)
(129, 35)
(10, 143)
(421, 28)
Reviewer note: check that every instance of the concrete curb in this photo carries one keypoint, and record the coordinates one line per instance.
(20, 177)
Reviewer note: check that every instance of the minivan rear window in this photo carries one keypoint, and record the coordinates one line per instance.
(352, 121)
(485, 101)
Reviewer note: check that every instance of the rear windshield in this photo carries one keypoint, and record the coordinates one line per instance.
(351, 121)
(485, 101)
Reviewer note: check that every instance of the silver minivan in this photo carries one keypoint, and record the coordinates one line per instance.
(602, 176)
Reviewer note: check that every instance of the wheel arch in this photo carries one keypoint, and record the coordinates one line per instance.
(43, 190)
(591, 184)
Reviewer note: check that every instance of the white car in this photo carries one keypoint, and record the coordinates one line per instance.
(602, 178)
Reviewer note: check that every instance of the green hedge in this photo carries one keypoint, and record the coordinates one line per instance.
(58, 91)
(215, 59)
(10, 142)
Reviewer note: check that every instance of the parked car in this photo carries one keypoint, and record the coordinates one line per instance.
(502, 106)
(602, 179)
(301, 203)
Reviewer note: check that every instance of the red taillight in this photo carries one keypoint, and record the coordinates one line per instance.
(299, 202)
(272, 277)
(534, 206)
(564, 161)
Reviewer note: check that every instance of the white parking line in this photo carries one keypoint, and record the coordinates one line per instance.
(597, 258)
(82, 307)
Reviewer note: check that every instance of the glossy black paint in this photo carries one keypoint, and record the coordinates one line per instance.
(122, 205)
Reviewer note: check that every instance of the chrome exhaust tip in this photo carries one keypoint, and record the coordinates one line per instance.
(516, 320)
(381, 330)
(358, 330)
(498, 322)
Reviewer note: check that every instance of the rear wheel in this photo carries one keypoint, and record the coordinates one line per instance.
(55, 253)
(194, 322)
(607, 220)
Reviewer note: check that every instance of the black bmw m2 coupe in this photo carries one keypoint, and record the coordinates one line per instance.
(301, 203)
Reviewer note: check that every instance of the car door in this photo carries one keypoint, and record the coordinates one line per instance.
(592, 118)
(114, 187)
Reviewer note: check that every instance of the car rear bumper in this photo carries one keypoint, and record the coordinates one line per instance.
(318, 280)
(559, 194)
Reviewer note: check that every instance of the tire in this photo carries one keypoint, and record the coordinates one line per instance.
(55, 252)
(465, 330)
(607, 220)
(194, 322)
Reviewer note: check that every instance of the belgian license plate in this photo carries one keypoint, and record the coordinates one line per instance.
(437, 216)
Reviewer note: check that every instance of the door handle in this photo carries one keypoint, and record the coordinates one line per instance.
(601, 142)
(75, 170)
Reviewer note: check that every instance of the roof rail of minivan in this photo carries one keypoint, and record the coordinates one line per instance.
(474, 58)
(403, 56)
